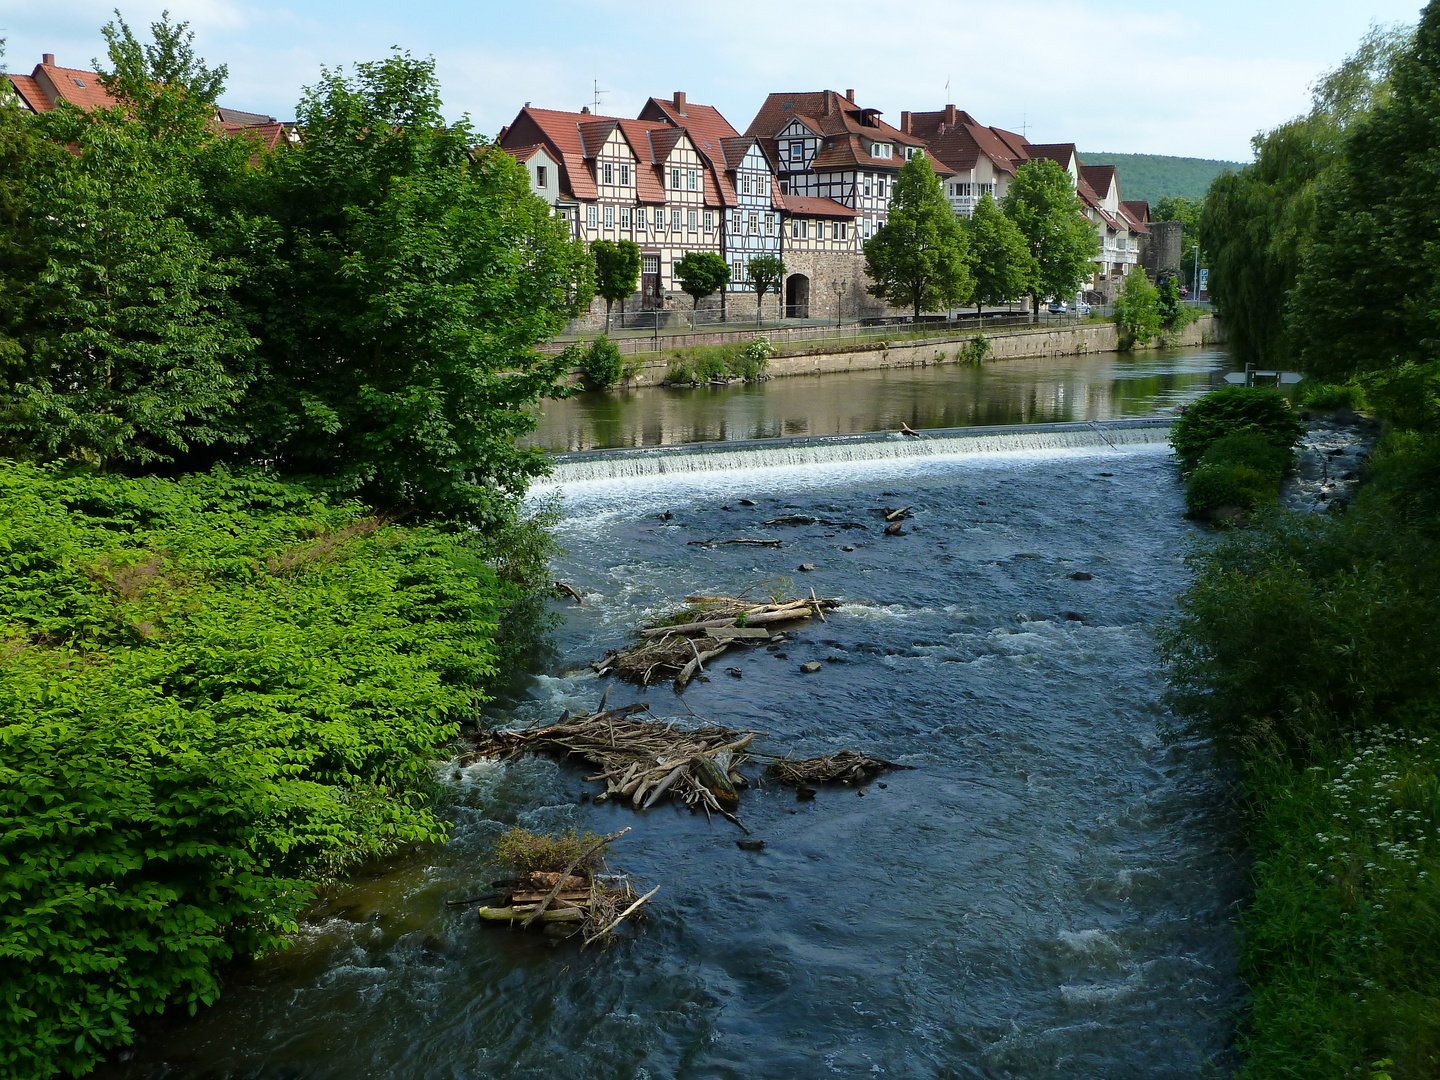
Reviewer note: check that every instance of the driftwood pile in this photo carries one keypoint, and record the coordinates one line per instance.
(594, 903)
(846, 767)
(640, 761)
(683, 644)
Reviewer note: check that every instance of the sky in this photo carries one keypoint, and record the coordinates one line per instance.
(1121, 76)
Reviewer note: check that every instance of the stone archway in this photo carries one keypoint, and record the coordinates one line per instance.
(797, 297)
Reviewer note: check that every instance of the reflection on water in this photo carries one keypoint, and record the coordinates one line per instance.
(1103, 386)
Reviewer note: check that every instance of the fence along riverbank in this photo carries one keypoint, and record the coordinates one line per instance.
(591, 466)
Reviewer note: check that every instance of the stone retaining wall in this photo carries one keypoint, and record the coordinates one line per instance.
(1004, 345)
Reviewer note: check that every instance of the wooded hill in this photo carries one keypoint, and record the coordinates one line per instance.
(1154, 176)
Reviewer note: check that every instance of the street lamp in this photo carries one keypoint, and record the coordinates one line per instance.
(839, 287)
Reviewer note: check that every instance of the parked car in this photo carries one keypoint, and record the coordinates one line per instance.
(1184, 292)
(1058, 307)
(1082, 308)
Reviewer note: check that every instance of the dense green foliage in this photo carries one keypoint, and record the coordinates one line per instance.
(708, 363)
(1260, 223)
(1307, 647)
(1368, 295)
(214, 693)
(1000, 259)
(1137, 310)
(1043, 204)
(919, 258)
(700, 273)
(1158, 177)
(602, 364)
(1241, 471)
(1234, 410)
(617, 272)
(360, 305)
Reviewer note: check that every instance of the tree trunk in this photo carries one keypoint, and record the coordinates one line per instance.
(608, 303)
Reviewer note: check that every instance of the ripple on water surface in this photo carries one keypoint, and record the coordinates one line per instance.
(1046, 894)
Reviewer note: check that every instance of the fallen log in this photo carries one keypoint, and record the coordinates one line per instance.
(510, 914)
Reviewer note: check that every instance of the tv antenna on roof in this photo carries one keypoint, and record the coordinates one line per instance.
(595, 99)
(1025, 125)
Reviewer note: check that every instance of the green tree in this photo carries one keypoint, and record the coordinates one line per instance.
(1000, 259)
(163, 85)
(1137, 309)
(1044, 206)
(918, 258)
(118, 318)
(1258, 224)
(700, 273)
(1369, 294)
(767, 274)
(416, 273)
(617, 272)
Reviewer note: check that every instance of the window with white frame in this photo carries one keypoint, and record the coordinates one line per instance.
(694, 221)
(771, 224)
(762, 185)
(880, 150)
(540, 176)
(961, 190)
(754, 229)
(840, 231)
(625, 217)
(868, 187)
(625, 175)
(745, 184)
(607, 173)
(692, 180)
(676, 221)
(659, 219)
(880, 186)
(797, 152)
(1120, 243)
(987, 189)
(709, 221)
(592, 216)
(675, 179)
(867, 226)
(735, 221)
(800, 229)
(650, 264)
(737, 271)
(609, 217)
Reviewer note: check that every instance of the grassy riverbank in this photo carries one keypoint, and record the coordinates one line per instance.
(1308, 648)
(215, 693)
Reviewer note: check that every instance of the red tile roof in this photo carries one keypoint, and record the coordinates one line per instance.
(30, 93)
(573, 139)
(844, 125)
(809, 206)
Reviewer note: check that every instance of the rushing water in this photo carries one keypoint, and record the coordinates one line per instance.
(1046, 894)
(1099, 386)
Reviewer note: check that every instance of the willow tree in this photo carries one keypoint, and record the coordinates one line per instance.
(1258, 224)
(1367, 296)
(917, 259)
(1043, 205)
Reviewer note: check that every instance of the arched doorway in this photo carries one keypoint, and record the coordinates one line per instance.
(797, 297)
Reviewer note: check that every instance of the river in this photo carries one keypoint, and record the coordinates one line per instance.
(1096, 386)
(1048, 893)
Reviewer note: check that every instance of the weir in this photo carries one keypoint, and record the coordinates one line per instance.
(591, 466)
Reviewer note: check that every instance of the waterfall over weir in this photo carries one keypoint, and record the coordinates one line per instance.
(589, 466)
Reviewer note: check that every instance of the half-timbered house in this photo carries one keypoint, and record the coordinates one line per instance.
(628, 180)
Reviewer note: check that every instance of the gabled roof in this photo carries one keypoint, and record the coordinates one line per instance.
(268, 135)
(1139, 209)
(30, 93)
(843, 125)
(957, 139)
(574, 140)
(55, 84)
(1099, 177)
(524, 153)
(809, 206)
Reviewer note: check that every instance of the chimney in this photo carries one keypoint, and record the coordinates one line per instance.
(949, 114)
(850, 96)
(905, 122)
(48, 59)
(584, 110)
(680, 102)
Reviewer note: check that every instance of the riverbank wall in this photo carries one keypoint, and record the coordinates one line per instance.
(1010, 344)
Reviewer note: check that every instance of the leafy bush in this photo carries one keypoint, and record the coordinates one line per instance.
(680, 370)
(523, 851)
(602, 364)
(708, 363)
(975, 350)
(1234, 410)
(1137, 309)
(1250, 449)
(1332, 396)
(214, 694)
(1229, 484)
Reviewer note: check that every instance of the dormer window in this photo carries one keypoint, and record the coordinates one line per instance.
(625, 175)
(745, 185)
(540, 176)
(608, 173)
(675, 179)
(692, 180)
(880, 150)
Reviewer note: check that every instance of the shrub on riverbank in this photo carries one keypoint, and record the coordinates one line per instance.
(602, 364)
(214, 694)
(706, 363)
(1308, 649)
(1234, 410)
